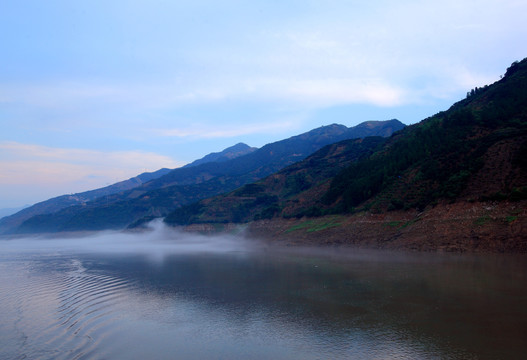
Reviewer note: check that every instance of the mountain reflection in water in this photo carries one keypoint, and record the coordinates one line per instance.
(122, 296)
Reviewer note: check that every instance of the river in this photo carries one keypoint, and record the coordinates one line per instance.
(166, 295)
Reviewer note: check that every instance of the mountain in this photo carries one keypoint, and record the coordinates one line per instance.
(271, 157)
(474, 151)
(61, 202)
(289, 192)
(10, 211)
(455, 181)
(227, 154)
(189, 184)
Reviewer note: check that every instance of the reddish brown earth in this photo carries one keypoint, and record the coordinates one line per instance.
(489, 227)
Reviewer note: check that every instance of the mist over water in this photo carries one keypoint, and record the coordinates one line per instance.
(158, 240)
(165, 294)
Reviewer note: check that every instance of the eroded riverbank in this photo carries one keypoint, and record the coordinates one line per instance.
(480, 227)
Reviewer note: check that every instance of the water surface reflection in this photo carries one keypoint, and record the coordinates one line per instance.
(260, 303)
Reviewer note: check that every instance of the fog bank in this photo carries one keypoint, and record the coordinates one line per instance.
(158, 240)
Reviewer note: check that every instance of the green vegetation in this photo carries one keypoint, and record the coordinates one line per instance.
(482, 220)
(324, 226)
(159, 196)
(401, 224)
(279, 194)
(315, 225)
(303, 225)
(440, 159)
(185, 214)
(439, 155)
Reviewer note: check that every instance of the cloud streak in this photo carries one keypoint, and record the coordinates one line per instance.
(219, 131)
(55, 171)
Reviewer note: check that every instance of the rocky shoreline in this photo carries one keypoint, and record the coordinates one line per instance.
(478, 227)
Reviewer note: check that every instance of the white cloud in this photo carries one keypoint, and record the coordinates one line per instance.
(344, 41)
(55, 171)
(226, 131)
(334, 91)
(466, 79)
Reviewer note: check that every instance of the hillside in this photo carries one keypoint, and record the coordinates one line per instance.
(227, 154)
(55, 204)
(289, 192)
(186, 185)
(60, 202)
(475, 151)
(272, 157)
(461, 174)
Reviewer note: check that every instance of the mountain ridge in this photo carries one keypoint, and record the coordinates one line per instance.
(58, 203)
(279, 192)
(229, 153)
(456, 181)
(184, 185)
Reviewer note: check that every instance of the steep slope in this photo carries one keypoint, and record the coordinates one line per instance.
(474, 151)
(289, 192)
(185, 185)
(455, 181)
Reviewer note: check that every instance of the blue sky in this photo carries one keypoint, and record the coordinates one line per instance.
(94, 92)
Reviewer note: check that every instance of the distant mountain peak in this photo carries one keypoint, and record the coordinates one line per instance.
(238, 148)
(375, 123)
(229, 153)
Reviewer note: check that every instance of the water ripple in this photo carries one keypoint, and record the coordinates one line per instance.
(79, 310)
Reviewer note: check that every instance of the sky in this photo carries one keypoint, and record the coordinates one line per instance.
(95, 92)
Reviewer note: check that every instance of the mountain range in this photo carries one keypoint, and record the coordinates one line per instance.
(456, 181)
(60, 202)
(156, 194)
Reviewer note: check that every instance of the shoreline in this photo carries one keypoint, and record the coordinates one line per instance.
(471, 227)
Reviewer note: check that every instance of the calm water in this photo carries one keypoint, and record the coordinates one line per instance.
(164, 296)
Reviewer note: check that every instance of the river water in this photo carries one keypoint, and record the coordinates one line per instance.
(164, 295)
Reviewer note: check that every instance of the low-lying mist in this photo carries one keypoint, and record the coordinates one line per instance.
(157, 240)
